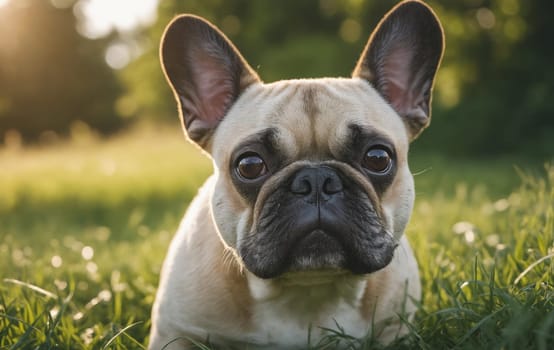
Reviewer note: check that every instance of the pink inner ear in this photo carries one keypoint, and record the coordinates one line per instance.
(214, 89)
(396, 78)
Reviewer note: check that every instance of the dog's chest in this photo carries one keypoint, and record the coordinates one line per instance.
(279, 330)
(297, 316)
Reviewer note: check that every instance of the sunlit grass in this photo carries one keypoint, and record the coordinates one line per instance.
(90, 222)
(84, 226)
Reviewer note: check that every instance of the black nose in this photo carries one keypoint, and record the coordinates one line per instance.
(316, 183)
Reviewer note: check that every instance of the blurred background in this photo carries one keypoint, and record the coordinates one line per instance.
(73, 65)
(95, 173)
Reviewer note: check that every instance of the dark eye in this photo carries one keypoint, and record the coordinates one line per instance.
(251, 166)
(377, 160)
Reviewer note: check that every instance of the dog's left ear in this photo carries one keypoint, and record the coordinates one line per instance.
(207, 74)
(400, 61)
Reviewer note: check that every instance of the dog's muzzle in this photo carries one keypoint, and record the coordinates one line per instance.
(317, 219)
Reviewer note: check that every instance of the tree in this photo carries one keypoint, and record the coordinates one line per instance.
(50, 76)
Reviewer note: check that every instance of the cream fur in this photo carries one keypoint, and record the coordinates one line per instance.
(204, 291)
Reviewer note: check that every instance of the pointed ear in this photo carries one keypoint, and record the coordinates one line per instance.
(206, 72)
(400, 61)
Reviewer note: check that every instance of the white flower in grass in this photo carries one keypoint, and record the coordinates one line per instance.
(469, 236)
(104, 296)
(56, 261)
(87, 336)
(87, 252)
(54, 312)
(61, 285)
(501, 204)
(462, 227)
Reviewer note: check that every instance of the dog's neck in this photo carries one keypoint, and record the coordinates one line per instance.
(308, 293)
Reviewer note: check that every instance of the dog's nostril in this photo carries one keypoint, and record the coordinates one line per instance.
(301, 185)
(332, 185)
(313, 181)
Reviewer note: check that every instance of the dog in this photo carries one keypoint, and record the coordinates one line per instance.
(300, 229)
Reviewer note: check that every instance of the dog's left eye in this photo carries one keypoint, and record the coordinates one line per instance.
(377, 160)
(251, 166)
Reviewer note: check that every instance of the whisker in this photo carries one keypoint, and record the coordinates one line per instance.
(421, 172)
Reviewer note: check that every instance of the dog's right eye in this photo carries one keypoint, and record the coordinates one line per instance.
(251, 166)
(377, 160)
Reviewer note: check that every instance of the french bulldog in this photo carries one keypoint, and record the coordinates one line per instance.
(300, 229)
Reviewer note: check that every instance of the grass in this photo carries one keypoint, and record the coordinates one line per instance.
(84, 226)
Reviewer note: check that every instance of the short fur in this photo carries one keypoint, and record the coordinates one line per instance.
(317, 240)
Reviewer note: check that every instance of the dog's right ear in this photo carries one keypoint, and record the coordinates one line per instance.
(207, 74)
(401, 59)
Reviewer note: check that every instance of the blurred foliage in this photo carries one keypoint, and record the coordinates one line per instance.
(492, 92)
(494, 86)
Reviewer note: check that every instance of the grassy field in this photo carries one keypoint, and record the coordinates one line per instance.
(84, 226)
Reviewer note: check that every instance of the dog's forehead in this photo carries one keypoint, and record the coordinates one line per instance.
(311, 114)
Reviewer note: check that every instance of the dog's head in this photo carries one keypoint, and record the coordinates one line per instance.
(311, 174)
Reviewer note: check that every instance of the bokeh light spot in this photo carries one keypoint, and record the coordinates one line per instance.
(56, 261)
(87, 252)
(469, 236)
(501, 204)
(509, 7)
(105, 295)
(117, 56)
(485, 18)
(91, 267)
(61, 285)
(515, 28)
(462, 227)
(350, 30)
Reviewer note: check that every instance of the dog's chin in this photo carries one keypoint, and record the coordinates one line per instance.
(318, 250)
(315, 252)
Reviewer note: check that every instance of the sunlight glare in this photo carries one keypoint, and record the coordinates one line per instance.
(3, 3)
(100, 17)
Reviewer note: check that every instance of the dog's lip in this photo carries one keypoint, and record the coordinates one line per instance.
(315, 238)
(315, 232)
(336, 236)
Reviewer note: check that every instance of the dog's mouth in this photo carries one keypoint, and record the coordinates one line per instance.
(317, 250)
(269, 255)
